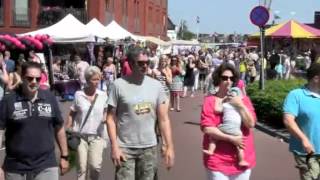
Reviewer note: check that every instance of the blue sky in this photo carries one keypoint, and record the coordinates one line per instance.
(229, 16)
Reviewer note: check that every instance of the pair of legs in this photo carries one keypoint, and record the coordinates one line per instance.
(212, 146)
(202, 78)
(185, 89)
(90, 153)
(215, 175)
(175, 100)
(141, 164)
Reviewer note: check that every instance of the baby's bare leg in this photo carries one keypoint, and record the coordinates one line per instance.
(242, 162)
(211, 148)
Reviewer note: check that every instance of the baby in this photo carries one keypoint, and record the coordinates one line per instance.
(231, 125)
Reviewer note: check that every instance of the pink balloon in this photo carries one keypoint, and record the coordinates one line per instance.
(21, 46)
(49, 41)
(44, 37)
(38, 36)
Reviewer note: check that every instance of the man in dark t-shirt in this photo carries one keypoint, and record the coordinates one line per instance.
(31, 119)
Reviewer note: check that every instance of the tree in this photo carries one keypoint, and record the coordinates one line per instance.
(184, 33)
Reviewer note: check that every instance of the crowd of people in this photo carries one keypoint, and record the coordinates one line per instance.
(124, 103)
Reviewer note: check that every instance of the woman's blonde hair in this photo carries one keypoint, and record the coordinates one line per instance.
(91, 71)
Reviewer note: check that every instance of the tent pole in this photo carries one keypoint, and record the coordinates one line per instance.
(50, 70)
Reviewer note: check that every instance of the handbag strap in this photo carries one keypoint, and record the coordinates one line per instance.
(88, 113)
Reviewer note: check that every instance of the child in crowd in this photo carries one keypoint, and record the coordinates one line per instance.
(280, 70)
(231, 124)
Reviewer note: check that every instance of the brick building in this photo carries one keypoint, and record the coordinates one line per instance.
(143, 17)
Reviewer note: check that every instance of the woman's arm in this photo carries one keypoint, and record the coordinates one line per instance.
(168, 76)
(70, 119)
(216, 134)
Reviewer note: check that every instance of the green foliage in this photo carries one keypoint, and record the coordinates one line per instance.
(184, 33)
(268, 103)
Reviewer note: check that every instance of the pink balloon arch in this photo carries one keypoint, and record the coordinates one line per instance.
(37, 42)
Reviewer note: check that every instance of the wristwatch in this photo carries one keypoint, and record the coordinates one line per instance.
(65, 157)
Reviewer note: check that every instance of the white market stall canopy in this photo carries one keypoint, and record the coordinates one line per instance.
(67, 30)
(185, 42)
(154, 40)
(97, 29)
(116, 32)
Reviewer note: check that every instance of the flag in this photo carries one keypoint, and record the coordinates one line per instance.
(198, 19)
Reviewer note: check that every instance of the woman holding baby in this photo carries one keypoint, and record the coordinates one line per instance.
(227, 121)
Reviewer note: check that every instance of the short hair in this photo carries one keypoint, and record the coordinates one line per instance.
(216, 76)
(28, 65)
(314, 70)
(133, 53)
(91, 71)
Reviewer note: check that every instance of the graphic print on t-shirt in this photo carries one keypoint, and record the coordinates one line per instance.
(142, 108)
(45, 110)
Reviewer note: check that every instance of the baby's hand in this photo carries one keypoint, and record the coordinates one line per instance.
(236, 101)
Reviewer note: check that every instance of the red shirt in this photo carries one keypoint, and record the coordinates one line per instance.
(126, 70)
(225, 157)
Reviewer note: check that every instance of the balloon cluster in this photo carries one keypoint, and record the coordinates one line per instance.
(36, 42)
(11, 42)
(7, 42)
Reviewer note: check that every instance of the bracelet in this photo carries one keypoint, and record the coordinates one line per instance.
(65, 157)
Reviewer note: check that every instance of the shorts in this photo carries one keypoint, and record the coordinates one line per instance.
(308, 170)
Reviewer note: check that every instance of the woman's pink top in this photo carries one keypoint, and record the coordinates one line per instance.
(241, 84)
(225, 157)
(126, 70)
(43, 81)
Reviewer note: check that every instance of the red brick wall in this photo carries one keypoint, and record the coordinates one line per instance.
(151, 14)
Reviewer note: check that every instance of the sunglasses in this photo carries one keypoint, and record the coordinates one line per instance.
(142, 63)
(30, 79)
(225, 78)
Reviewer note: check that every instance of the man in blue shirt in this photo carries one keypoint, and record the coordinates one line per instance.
(32, 120)
(9, 62)
(302, 119)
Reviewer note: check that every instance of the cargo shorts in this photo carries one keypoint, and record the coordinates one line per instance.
(141, 164)
(308, 170)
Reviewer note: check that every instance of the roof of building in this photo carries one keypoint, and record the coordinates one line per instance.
(171, 26)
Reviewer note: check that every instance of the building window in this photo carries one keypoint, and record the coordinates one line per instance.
(137, 16)
(109, 11)
(150, 22)
(110, 5)
(21, 15)
(125, 13)
(1, 12)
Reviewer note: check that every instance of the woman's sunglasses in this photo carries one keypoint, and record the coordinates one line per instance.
(225, 78)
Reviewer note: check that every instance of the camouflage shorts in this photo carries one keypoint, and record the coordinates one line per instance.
(308, 170)
(141, 164)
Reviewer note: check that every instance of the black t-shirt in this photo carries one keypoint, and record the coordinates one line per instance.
(30, 131)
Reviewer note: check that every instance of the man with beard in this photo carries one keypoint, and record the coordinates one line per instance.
(135, 103)
(31, 118)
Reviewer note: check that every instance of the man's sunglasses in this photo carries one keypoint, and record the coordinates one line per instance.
(30, 79)
(225, 78)
(142, 63)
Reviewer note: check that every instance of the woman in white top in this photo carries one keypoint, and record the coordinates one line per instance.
(109, 73)
(93, 132)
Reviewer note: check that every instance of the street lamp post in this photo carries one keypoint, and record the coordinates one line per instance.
(262, 36)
